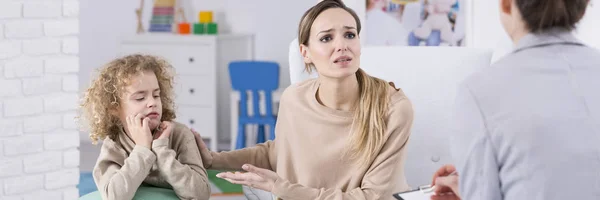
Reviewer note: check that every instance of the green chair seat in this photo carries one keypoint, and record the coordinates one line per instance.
(143, 193)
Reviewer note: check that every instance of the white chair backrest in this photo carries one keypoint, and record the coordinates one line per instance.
(296, 63)
(429, 76)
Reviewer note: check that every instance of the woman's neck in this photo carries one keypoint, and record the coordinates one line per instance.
(338, 94)
(518, 34)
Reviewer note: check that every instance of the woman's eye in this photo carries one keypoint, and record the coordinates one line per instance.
(350, 35)
(156, 96)
(140, 99)
(325, 38)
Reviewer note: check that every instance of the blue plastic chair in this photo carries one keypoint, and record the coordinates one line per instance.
(254, 76)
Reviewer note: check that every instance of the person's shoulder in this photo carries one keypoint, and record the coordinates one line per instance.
(181, 132)
(400, 106)
(108, 143)
(111, 148)
(396, 94)
(299, 89)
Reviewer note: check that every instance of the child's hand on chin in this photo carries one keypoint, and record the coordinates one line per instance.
(139, 130)
(164, 130)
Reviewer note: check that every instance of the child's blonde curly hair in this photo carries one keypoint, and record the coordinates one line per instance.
(103, 96)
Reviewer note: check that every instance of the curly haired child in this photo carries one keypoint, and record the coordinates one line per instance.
(130, 107)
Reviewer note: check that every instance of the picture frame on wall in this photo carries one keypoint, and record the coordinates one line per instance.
(415, 22)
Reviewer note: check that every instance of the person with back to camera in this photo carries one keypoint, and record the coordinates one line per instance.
(528, 126)
(339, 136)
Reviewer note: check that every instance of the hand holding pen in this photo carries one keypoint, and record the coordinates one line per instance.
(445, 181)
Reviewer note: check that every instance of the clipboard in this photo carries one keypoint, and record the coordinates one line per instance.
(422, 193)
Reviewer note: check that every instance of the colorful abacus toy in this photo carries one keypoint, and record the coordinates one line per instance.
(163, 15)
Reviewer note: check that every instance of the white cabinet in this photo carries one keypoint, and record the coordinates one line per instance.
(198, 73)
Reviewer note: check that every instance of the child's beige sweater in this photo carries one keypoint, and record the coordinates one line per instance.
(172, 162)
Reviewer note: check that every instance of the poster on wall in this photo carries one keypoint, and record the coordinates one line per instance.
(415, 22)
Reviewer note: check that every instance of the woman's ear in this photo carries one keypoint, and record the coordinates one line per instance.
(305, 54)
(506, 6)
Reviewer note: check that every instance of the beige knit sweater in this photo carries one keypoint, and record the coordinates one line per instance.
(308, 152)
(172, 162)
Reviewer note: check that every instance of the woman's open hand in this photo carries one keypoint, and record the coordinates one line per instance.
(255, 177)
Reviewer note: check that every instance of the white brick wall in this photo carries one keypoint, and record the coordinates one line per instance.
(9, 49)
(69, 121)
(23, 145)
(11, 167)
(24, 67)
(70, 83)
(62, 140)
(23, 106)
(24, 29)
(42, 123)
(39, 86)
(70, 8)
(41, 46)
(10, 10)
(61, 102)
(70, 46)
(62, 27)
(42, 85)
(43, 162)
(71, 158)
(63, 178)
(42, 194)
(11, 127)
(42, 9)
(71, 193)
(23, 184)
(62, 65)
(12, 198)
(10, 88)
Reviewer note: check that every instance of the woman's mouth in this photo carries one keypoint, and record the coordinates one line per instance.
(342, 60)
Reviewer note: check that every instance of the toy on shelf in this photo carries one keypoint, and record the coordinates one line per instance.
(138, 12)
(183, 26)
(169, 17)
(205, 24)
(163, 14)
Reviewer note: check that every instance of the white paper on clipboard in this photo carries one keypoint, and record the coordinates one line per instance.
(423, 193)
(416, 195)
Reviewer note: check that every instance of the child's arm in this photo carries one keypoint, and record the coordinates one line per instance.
(183, 170)
(118, 176)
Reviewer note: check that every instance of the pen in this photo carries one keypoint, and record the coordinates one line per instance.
(431, 188)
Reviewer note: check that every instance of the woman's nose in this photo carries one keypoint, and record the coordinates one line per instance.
(341, 46)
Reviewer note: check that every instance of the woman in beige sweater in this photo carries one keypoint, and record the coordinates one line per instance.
(130, 107)
(339, 136)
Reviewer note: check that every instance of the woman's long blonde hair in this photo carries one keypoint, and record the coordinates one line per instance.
(368, 126)
(103, 96)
